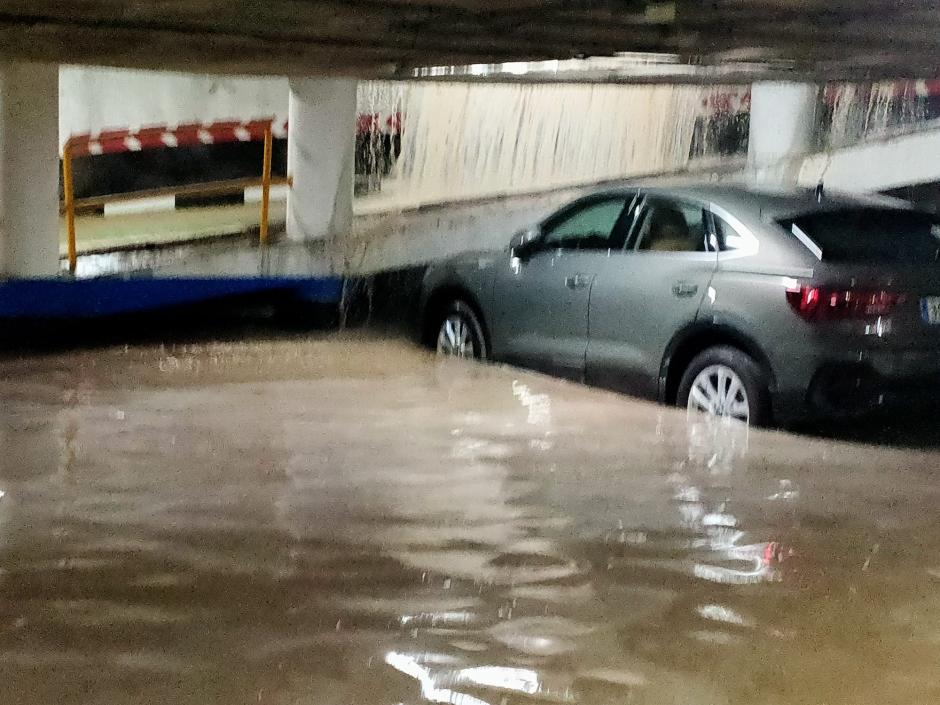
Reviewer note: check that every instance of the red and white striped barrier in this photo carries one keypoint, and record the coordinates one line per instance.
(195, 134)
(188, 135)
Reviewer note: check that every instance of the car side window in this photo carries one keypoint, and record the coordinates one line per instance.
(674, 226)
(729, 239)
(594, 226)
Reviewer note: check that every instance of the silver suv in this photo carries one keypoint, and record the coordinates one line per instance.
(754, 305)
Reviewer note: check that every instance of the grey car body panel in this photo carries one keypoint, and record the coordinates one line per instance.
(627, 338)
(623, 326)
(539, 313)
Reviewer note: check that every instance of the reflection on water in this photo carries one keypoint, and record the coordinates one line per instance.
(336, 522)
(716, 447)
(499, 678)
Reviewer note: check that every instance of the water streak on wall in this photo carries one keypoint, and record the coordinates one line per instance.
(855, 112)
(475, 140)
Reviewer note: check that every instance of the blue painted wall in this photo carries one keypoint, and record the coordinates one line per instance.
(89, 298)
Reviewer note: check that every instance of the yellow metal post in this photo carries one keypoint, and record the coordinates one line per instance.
(266, 182)
(69, 190)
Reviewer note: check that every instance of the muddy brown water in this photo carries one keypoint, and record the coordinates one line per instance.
(351, 521)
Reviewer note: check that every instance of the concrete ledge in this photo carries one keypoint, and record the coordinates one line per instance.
(884, 163)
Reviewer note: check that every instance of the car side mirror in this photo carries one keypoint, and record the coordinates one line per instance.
(524, 243)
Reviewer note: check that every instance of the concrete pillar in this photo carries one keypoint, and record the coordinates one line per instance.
(783, 125)
(320, 157)
(29, 170)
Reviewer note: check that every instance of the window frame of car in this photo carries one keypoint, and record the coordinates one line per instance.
(629, 200)
(633, 240)
(751, 245)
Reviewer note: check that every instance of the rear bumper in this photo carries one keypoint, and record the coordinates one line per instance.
(860, 388)
(862, 385)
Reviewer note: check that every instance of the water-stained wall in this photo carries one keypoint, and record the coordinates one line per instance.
(460, 140)
(856, 112)
(473, 140)
(466, 140)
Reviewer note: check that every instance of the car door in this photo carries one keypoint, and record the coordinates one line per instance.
(540, 311)
(643, 297)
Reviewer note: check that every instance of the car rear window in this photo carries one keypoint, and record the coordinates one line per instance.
(864, 235)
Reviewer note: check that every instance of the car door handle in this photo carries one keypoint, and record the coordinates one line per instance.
(684, 289)
(577, 281)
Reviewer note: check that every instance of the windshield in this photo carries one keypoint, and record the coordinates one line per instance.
(869, 235)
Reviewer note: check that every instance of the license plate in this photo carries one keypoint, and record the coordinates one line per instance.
(930, 308)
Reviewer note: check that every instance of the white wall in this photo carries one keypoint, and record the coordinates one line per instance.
(877, 165)
(460, 140)
(94, 98)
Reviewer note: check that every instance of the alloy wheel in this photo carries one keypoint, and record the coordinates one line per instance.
(718, 391)
(455, 337)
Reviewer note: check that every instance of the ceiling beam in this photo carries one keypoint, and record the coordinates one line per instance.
(391, 37)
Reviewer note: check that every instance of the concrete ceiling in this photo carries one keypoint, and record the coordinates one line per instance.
(836, 39)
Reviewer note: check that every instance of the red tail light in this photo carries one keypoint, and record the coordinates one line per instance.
(816, 303)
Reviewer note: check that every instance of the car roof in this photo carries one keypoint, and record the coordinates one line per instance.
(766, 203)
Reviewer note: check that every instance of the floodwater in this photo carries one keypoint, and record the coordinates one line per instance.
(335, 520)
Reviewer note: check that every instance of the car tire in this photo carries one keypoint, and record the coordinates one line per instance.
(733, 363)
(459, 333)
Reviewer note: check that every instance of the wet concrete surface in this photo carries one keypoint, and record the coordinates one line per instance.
(345, 519)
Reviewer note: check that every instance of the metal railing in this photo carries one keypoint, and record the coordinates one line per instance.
(70, 204)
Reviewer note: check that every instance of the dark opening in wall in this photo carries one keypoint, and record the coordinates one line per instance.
(724, 134)
(106, 174)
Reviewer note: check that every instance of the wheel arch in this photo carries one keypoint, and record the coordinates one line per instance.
(696, 338)
(438, 300)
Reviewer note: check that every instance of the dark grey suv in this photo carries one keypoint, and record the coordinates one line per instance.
(732, 301)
